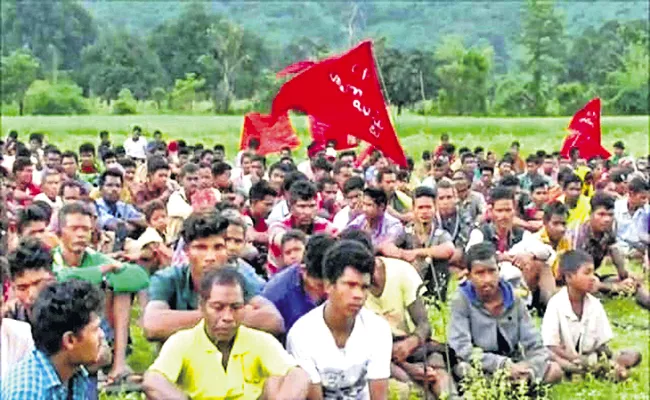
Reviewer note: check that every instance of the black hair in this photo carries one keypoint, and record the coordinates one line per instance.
(153, 207)
(73, 184)
(189, 168)
(120, 151)
(205, 152)
(465, 156)
(108, 154)
(564, 174)
(444, 136)
(339, 165)
(45, 206)
(36, 136)
(279, 165)
(555, 208)
(315, 250)
(572, 260)
(464, 150)
(348, 153)
(377, 195)
(538, 182)
(322, 163)
(219, 147)
(515, 144)
(51, 149)
(260, 190)
(253, 143)
(326, 180)
(116, 173)
(486, 167)
(203, 225)
(156, 163)
(444, 184)
(30, 254)
(449, 148)
(63, 307)
(29, 214)
(602, 200)
(137, 128)
(13, 134)
(293, 234)
(70, 154)
(353, 183)
(501, 193)
(424, 191)
(385, 171)
(21, 163)
(510, 181)
(302, 190)
(103, 134)
(619, 145)
(291, 178)
(127, 163)
(637, 185)
(227, 276)
(359, 236)
(573, 178)
(426, 155)
(87, 148)
(479, 252)
(344, 254)
(73, 208)
(220, 167)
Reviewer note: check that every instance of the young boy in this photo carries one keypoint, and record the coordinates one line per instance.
(293, 247)
(575, 327)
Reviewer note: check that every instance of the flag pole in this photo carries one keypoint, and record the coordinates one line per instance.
(383, 86)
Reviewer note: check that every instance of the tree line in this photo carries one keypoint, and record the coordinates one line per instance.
(55, 57)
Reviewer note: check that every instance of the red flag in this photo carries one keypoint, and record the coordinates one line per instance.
(585, 133)
(344, 93)
(274, 133)
(295, 68)
(323, 133)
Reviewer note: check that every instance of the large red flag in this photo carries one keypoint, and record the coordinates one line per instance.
(344, 93)
(323, 133)
(274, 133)
(585, 134)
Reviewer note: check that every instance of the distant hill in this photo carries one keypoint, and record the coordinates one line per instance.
(405, 24)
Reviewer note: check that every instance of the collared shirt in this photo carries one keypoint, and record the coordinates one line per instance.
(34, 378)
(389, 228)
(598, 246)
(190, 360)
(136, 149)
(174, 286)
(319, 225)
(630, 228)
(563, 246)
(577, 336)
(287, 293)
(474, 205)
(279, 212)
(118, 211)
(144, 193)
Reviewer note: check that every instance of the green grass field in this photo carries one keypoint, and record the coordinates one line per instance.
(630, 323)
(416, 133)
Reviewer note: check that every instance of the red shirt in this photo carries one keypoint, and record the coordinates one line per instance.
(259, 224)
(279, 228)
(32, 190)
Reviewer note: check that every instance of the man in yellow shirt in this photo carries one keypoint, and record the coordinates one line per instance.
(577, 204)
(554, 233)
(221, 359)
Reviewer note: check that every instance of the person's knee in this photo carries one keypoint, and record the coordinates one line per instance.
(554, 373)
(272, 387)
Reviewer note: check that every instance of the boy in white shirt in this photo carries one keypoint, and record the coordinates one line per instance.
(575, 326)
(345, 348)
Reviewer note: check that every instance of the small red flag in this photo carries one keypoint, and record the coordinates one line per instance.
(273, 133)
(585, 134)
(344, 93)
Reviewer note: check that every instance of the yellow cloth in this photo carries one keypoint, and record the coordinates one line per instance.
(125, 195)
(191, 361)
(579, 214)
(400, 291)
(587, 189)
(563, 246)
(404, 198)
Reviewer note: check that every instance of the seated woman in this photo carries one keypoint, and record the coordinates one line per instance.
(575, 326)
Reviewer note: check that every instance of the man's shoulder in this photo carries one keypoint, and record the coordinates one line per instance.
(171, 273)
(255, 337)
(282, 281)
(373, 322)
(307, 323)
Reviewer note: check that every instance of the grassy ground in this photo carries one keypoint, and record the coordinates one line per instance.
(631, 324)
(416, 133)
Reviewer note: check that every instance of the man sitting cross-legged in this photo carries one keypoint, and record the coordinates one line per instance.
(344, 348)
(487, 315)
(173, 294)
(220, 358)
(394, 295)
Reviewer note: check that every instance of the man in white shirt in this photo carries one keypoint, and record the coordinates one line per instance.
(136, 146)
(353, 192)
(345, 348)
(50, 187)
(631, 213)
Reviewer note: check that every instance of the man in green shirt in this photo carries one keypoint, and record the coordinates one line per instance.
(74, 259)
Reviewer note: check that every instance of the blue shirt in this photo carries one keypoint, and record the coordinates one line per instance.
(388, 229)
(285, 291)
(34, 378)
(108, 213)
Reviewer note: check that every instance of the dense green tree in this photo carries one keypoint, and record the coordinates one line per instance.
(60, 98)
(18, 71)
(51, 30)
(542, 35)
(120, 60)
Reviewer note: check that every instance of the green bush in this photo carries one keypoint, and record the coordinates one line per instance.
(61, 98)
(125, 103)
